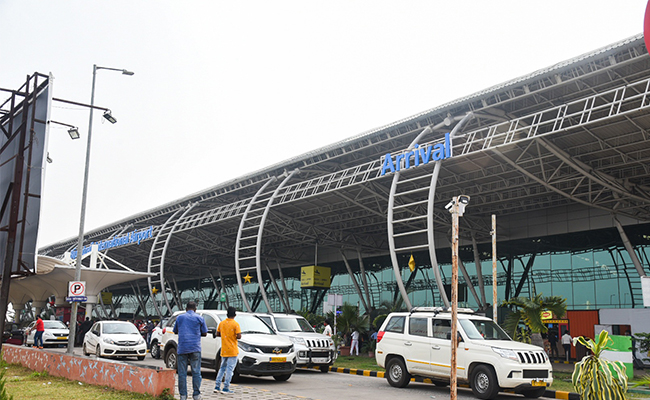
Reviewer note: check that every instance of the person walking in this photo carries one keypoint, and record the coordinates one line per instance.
(355, 342)
(328, 329)
(230, 332)
(189, 326)
(566, 343)
(38, 336)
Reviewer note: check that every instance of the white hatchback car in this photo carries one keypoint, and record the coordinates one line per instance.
(262, 352)
(55, 333)
(114, 339)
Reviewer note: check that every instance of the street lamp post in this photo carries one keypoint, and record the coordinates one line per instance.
(80, 241)
(456, 207)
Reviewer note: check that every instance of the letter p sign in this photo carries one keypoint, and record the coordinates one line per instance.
(76, 289)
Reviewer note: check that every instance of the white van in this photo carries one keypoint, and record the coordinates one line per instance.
(262, 352)
(418, 343)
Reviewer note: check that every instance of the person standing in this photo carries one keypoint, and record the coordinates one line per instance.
(189, 326)
(38, 336)
(566, 343)
(552, 341)
(230, 332)
(355, 342)
(328, 329)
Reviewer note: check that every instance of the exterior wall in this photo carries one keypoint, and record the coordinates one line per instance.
(93, 371)
(637, 318)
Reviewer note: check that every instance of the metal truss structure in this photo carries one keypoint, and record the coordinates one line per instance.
(571, 136)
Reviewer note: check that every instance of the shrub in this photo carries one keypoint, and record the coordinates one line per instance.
(594, 377)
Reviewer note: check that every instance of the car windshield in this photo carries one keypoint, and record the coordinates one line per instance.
(54, 325)
(483, 329)
(252, 324)
(116, 328)
(293, 325)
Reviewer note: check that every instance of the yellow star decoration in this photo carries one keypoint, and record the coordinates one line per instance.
(154, 290)
(247, 278)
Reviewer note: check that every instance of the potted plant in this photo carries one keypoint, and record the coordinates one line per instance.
(369, 347)
(596, 378)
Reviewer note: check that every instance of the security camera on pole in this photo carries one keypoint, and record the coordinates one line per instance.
(456, 207)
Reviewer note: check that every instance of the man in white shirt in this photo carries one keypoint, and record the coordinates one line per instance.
(355, 342)
(566, 343)
(328, 329)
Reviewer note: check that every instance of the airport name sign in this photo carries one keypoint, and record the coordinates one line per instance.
(418, 156)
(131, 237)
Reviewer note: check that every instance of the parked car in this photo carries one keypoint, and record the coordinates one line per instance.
(155, 342)
(313, 349)
(13, 334)
(56, 333)
(418, 343)
(114, 339)
(262, 352)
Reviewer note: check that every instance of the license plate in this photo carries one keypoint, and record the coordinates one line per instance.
(62, 338)
(278, 359)
(126, 349)
(538, 383)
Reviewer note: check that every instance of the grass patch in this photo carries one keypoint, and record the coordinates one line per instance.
(358, 362)
(25, 384)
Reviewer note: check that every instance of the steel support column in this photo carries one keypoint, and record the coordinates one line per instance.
(354, 281)
(629, 248)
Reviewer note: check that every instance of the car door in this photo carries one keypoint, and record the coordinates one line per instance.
(91, 339)
(210, 345)
(30, 338)
(441, 347)
(417, 345)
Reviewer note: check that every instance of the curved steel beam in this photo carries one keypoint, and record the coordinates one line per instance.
(260, 233)
(238, 242)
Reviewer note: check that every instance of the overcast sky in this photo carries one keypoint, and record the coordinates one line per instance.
(223, 88)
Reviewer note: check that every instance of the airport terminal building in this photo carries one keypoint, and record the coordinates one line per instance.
(560, 157)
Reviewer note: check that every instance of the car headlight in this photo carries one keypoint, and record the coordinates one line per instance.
(505, 353)
(297, 340)
(141, 341)
(291, 349)
(47, 334)
(108, 340)
(246, 347)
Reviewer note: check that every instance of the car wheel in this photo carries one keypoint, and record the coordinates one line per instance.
(171, 359)
(140, 358)
(484, 382)
(85, 351)
(534, 393)
(324, 368)
(98, 351)
(155, 350)
(282, 378)
(396, 373)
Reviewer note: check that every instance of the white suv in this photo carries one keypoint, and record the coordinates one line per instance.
(313, 349)
(262, 352)
(419, 343)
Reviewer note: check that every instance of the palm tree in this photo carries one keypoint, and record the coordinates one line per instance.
(529, 312)
(349, 319)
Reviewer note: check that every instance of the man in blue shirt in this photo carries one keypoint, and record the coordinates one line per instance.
(189, 327)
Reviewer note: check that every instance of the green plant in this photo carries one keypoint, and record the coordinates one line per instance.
(350, 319)
(643, 339)
(166, 395)
(644, 381)
(379, 320)
(595, 378)
(529, 313)
(3, 387)
(368, 346)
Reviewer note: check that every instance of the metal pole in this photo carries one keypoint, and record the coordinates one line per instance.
(494, 267)
(454, 300)
(82, 219)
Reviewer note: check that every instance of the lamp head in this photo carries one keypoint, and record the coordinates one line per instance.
(109, 117)
(126, 72)
(74, 133)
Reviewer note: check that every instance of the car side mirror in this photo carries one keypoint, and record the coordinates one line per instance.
(213, 331)
(96, 333)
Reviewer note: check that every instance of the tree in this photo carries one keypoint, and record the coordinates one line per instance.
(529, 313)
(350, 319)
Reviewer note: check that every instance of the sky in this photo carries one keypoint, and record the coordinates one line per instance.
(225, 88)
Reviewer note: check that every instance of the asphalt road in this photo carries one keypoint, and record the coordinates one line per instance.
(312, 384)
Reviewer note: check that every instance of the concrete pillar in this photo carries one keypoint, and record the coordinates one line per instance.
(89, 306)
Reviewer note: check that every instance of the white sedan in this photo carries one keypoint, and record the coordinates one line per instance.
(114, 339)
(55, 333)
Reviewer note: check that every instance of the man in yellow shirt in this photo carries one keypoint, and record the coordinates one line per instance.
(229, 331)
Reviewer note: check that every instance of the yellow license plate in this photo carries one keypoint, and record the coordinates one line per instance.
(538, 383)
(278, 359)
(62, 338)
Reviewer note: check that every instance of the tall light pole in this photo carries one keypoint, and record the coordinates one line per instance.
(456, 207)
(82, 219)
